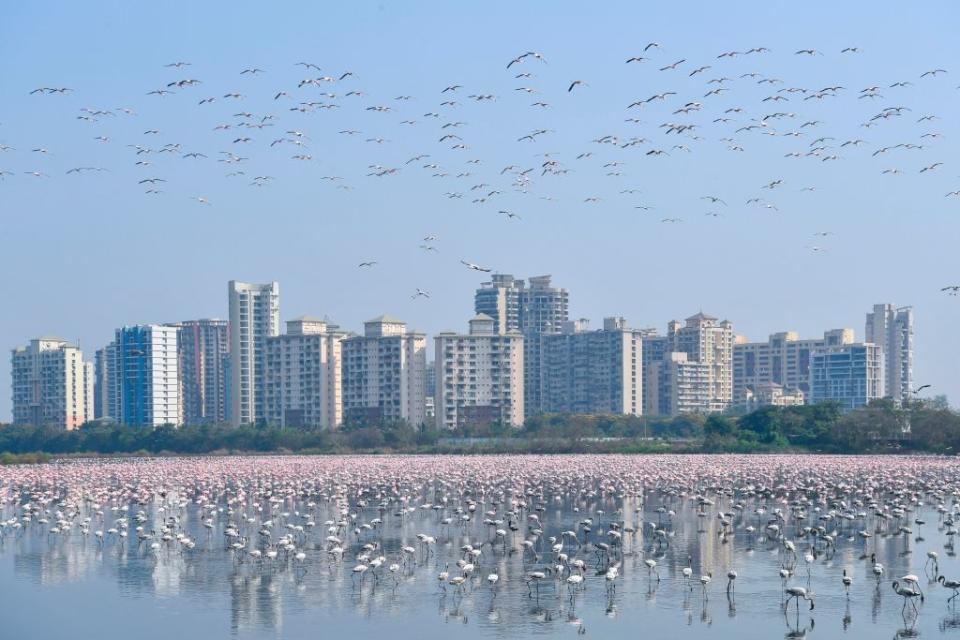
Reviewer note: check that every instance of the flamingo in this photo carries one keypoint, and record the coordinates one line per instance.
(909, 593)
(731, 577)
(798, 593)
(704, 581)
(953, 585)
(652, 568)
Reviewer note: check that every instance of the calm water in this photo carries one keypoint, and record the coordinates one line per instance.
(54, 585)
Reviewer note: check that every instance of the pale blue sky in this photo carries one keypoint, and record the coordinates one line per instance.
(88, 252)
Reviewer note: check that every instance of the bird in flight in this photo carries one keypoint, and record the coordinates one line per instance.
(575, 83)
(953, 289)
(368, 263)
(920, 388)
(420, 294)
(713, 199)
(475, 267)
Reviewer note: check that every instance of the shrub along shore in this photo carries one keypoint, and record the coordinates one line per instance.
(929, 426)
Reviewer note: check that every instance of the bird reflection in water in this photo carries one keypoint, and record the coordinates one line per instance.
(950, 622)
(908, 630)
(794, 630)
(705, 616)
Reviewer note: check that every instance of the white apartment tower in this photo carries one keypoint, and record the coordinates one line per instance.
(677, 385)
(384, 373)
(51, 384)
(709, 342)
(302, 375)
(590, 372)
(254, 317)
(479, 376)
(849, 374)
(891, 328)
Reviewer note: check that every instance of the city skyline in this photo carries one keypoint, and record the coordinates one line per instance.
(856, 224)
(320, 373)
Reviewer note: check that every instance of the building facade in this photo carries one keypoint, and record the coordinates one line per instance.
(772, 394)
(254, 317)
(784, 360)
(654, 348)
(384, 373)
(543, 310)
(590, 372)
(479, 376)
(850, 374)
(143, 376)
(891, 328)
(52, 385)
(203, 349)
(679, 385)
(302, 375)
(500, 299)
(101, 391)
(536, 309)
(710, 342)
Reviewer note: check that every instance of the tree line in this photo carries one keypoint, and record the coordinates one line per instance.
(922, 426)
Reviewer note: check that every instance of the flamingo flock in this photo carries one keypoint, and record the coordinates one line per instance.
(519, 531)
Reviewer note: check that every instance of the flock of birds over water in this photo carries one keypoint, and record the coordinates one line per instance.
(263, 119)
(488, 531)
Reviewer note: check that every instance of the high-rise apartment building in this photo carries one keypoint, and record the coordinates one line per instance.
(655, 347)
(784, 360)
(500, 299)
(203, 348)
(891, 328)
(588, 372)
(143, 376)
(254, 317)
(479, 376)
(101, 388)
(302, 375)
(679, 385)
(849, 374)
(543, 310)
(536, 309)
(430, 392)
(384, 373)
(51, 384)
(710, 342)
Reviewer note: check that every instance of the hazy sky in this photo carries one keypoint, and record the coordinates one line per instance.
(89, 251)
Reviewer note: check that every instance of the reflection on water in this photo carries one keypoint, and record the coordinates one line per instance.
(173, 589)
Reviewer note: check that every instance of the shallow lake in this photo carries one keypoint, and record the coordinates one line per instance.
(182, 548)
